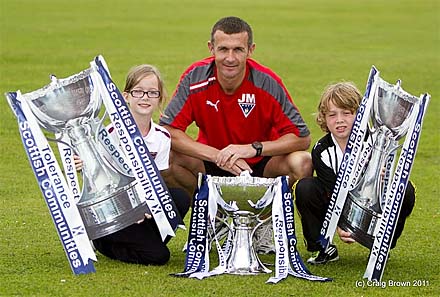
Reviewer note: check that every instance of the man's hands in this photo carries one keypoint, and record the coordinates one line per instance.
(231, 158)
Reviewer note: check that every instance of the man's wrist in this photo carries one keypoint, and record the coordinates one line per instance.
(258, 146)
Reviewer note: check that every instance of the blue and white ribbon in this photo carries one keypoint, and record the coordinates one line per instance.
(109, 145)
(395, 193)
(288, 261)
(197, 253)
(58, 197)
(66, 155)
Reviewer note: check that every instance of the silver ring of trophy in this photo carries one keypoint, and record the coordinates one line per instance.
(70, 108)
(390, 121)
(239, 212)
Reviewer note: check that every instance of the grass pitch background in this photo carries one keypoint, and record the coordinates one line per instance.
(309, 44)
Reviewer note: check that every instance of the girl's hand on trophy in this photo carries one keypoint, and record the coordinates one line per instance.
(382, 172)
(345, 236)
(78, 163)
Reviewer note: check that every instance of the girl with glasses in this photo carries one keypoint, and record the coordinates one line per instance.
(141, 243)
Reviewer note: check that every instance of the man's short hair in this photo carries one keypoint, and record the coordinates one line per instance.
(232, 25)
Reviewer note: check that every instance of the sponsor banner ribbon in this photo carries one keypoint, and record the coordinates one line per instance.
(288, 261)
(151, 185)
(58, 197)
(66, 154)
(197, 254)
(108, 144)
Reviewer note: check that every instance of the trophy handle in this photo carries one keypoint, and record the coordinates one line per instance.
(99, 122)
(58, 140)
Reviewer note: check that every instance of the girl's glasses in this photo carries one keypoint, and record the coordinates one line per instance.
(141, 93)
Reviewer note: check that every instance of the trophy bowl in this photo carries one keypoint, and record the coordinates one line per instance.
(359, 220)
(243, 216)
(109, 201)
(64, 100)
(392, 108)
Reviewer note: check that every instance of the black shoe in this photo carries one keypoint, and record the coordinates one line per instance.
(322, 257)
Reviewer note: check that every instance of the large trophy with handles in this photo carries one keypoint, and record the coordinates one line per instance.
(69, 108)
(390, 118)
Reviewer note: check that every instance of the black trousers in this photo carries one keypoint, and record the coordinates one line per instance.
(214, 170)
(142, 243)
(312, 202)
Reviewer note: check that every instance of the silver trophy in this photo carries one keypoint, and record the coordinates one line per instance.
(390, 118)
(70, 107)
(242, 217)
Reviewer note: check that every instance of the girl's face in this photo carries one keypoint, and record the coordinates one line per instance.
(339, 122)
(144, 97)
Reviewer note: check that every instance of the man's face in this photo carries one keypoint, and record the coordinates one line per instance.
(230, 52)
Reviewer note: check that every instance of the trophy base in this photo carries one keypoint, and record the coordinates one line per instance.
(359, 221)
(112, 212)
(243, 260)
(119, 223)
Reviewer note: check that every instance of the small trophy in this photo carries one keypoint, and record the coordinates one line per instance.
(390, 117)
(243, 217)
(109, 201)
(243, 203)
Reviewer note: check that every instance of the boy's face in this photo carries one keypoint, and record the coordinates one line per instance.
(339, 122)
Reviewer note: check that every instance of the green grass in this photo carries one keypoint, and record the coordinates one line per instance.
(308, 43)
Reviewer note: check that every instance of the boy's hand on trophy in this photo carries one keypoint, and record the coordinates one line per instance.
(345, 236)
(147, 216)
(78, 163)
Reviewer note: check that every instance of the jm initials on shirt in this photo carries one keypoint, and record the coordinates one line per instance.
(247, 103)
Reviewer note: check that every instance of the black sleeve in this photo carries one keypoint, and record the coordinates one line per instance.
(324, 173)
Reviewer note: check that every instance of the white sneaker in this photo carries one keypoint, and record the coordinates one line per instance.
(263, 239)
